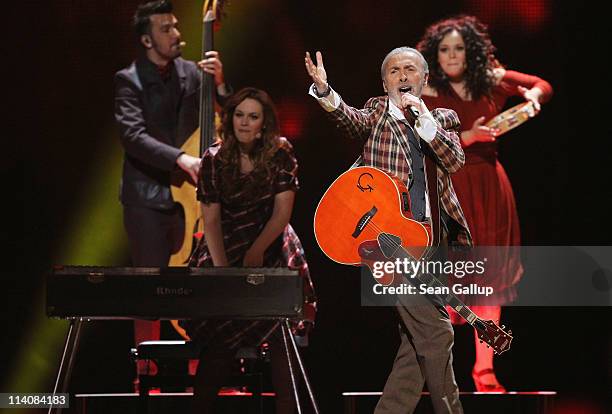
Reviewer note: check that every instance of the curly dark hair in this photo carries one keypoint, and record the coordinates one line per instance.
(479, 52)
(262, 153)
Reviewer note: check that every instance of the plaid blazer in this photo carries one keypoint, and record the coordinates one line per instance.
(382, 133)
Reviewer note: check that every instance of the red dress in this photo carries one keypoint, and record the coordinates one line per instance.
(483, 188)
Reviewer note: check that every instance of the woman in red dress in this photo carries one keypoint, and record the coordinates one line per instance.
(465, 76)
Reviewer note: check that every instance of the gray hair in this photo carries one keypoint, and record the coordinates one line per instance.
(399, 50)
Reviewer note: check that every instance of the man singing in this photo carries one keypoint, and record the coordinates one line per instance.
(399, 132)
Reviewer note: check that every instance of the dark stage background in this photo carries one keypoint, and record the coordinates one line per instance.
(68, 167)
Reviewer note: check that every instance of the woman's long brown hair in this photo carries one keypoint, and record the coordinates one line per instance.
(262, 152)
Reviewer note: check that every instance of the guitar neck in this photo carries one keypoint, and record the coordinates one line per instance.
(453, 301)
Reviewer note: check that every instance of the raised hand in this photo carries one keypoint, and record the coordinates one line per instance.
(316, 72)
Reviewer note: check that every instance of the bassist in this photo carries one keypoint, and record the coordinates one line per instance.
(156, 109)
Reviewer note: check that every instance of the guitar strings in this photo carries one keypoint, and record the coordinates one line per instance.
(373, 227)
(383, 235)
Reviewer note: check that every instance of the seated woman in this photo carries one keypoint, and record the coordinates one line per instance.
(247, 187)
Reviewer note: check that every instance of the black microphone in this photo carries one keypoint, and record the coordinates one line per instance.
(413, 111)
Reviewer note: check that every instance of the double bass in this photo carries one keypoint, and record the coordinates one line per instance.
(182, 188)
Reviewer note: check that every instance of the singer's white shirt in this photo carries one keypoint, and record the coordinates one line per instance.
(425, 125)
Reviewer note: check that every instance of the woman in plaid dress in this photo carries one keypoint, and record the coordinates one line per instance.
(246, 187)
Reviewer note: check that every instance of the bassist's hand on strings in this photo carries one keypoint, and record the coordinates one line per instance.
(213, 65)
(189, 164)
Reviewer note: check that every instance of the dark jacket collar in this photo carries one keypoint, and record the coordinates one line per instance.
(149, 73)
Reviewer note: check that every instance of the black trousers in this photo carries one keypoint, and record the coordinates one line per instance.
(153, 235)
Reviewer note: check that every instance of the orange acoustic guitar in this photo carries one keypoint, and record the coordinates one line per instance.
(365, 216)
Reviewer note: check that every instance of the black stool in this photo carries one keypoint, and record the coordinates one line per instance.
(165, 354)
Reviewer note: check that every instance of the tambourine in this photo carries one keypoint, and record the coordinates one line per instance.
(512, 117)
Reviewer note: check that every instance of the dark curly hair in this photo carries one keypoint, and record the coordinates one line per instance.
(479, 54)
(262, 153)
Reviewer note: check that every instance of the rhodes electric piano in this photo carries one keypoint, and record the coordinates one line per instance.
(174, 293)
(80, 293)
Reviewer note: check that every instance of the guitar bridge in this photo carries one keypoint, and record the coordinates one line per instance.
(363, 221)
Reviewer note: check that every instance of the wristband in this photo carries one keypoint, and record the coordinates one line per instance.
(326, 93)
